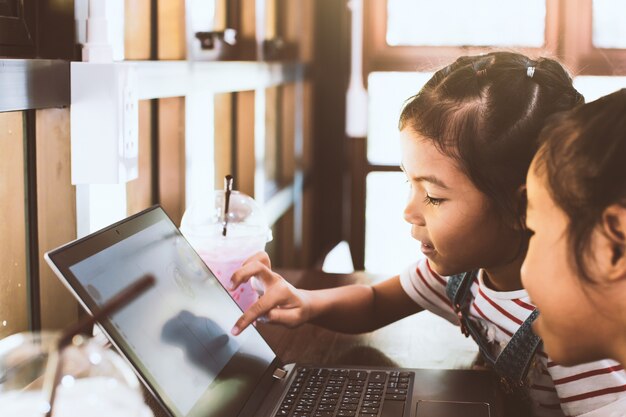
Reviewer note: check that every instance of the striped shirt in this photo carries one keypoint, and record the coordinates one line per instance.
(594, 388)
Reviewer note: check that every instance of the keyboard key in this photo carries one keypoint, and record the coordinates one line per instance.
(378, 376)
(392, 409)
(358, 375)
(396, 397)
(396, 391)
(348, 400)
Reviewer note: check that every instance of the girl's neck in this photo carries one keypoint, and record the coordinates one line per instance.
(619, 312)
(504, 277)
(621, 355)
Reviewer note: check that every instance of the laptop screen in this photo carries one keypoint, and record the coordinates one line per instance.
(177, 334)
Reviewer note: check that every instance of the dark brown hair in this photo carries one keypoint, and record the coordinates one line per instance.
(582, 160)
(486, 112)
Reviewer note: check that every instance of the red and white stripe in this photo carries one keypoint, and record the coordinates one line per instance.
(555, 390)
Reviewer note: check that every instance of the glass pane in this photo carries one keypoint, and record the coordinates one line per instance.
(13, 272)
(609, 23)
(462, 22)
(389, 247)
(387, 92)
(592, 87)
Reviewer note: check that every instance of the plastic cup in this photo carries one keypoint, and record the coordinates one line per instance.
(224, 256)
(94, 381)
(246, 234)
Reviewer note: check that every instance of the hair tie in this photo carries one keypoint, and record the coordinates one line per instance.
(530, 71)
(481, 73)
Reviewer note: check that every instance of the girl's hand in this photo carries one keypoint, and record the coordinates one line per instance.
(281, 303)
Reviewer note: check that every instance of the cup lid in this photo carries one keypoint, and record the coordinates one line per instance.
(206, 217)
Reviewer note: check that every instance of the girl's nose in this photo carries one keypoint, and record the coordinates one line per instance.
(413, 215)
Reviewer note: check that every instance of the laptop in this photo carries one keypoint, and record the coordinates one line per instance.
(176, 336)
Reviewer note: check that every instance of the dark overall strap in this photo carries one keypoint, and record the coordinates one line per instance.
(515, 359)
(458, 287)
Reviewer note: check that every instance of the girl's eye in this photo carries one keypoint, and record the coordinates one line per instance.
(434, 201)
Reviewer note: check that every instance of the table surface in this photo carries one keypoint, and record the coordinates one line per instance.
(419, 341)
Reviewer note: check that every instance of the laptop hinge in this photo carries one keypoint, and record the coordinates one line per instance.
(279, 373)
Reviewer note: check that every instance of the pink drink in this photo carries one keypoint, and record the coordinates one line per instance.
(224, 242)
(244, 295)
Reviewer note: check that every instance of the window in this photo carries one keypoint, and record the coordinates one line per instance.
(478, 22)
(594, 87)
(609, 24)
(389, 247)
(387, 93)
(406, 40)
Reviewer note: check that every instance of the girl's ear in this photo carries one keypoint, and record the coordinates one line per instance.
(522, 203)
(613, 248)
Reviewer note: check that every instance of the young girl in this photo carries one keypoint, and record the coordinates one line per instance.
(467, 140)
(576, 190)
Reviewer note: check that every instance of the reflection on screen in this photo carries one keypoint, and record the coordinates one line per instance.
(179, 329)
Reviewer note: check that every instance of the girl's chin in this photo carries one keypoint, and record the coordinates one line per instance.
(435, 264)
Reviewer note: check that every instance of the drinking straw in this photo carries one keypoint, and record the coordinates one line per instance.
(228, 187)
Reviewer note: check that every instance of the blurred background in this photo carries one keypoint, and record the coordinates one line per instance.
(298, 99)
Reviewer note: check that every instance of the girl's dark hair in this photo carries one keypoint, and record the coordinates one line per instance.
(582, 160)
(486, 112)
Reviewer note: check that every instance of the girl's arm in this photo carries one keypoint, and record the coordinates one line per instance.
(350, 309)
(361, 308)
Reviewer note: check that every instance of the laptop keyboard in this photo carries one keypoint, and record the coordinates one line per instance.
(325, 392)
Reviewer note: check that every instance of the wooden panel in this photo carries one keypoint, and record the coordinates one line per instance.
(306, 257)
(172, 156)
(306, 30)
(139, 191)
(246, 38)
(171, 29)
(281, 248)
(13, 287)
(137, 29)
(288, 133)
(56, 212)
(271, 19)
(246, 164)
(272, 165)
(220, 20)
(223, 137)
(295, 23)
(307, 125)
(272, 247)
(305, 164)
(286, 242)
(248, 19)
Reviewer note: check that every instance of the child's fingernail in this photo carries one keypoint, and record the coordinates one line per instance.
(263, 319)
(235, 331)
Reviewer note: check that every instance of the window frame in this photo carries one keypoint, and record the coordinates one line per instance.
(568, 38)
(379, 56)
